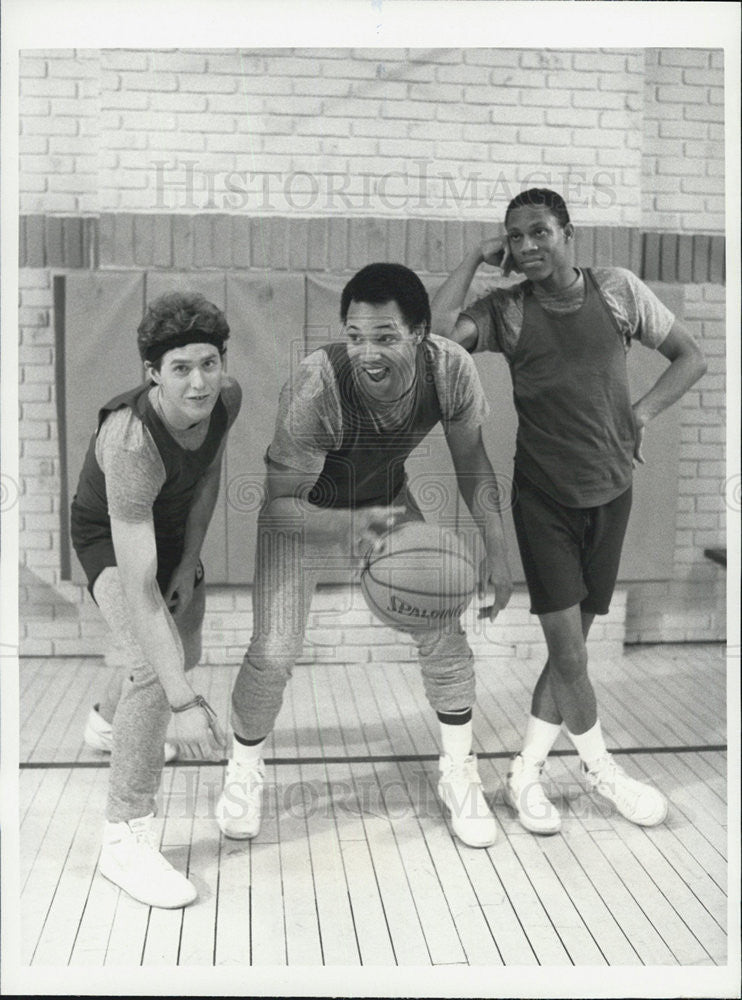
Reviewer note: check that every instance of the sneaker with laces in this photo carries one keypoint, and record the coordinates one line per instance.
(130, 859)
(525, 795)
(635, 800)
(98, 735)
(460, 789)
(240, 804)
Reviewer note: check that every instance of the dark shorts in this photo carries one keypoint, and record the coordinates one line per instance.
(570, 555)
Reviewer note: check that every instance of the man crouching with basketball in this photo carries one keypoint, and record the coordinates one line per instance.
(347, 421)
(144, 501)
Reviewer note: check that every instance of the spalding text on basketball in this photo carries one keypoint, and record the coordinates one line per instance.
(412, 611)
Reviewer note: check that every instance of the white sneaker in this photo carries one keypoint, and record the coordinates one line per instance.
(460, 789)
(636, 801)
(130, 859)
(99, 735)
(525, 795)
(239, 807)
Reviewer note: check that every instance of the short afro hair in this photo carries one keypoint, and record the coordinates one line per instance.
(541, 197)
(380, 283)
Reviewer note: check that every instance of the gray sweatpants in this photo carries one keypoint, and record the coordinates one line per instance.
(285, 579)
(136, 700)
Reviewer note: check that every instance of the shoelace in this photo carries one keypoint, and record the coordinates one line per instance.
(622, 787)
(246, 775)
(461, 771)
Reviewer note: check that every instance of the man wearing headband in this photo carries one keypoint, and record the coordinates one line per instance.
(144, 501)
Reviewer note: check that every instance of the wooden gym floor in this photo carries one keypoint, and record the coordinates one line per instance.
(355, 864)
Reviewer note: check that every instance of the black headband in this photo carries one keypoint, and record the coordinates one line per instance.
(155, 351)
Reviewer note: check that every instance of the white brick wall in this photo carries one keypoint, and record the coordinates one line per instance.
(683, 153)
(122, 125)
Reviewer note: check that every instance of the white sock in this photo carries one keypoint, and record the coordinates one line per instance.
(247, 754)
(539, 739)
(590, 745)
(456, 740)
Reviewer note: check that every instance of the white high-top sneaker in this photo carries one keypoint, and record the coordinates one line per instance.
(460, 789)
(635, 800)
(130, 859)
(524, 794)
(99, 735)
(239, 808)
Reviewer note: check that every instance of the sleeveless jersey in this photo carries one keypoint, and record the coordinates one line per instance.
(576, 430)
(90, 522)
(368, 467)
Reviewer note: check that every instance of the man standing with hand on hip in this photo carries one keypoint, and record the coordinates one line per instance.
(565, 332)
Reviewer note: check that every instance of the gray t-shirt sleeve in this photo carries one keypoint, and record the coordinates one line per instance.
(132, 466)
(638, 311)
(460, 393)
(309, 421)
(498, 318)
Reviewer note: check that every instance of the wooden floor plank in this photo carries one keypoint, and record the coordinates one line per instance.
(485, 871)
(369, 918)
(691, 800)
(30, 667)
(29, 782)
(40, 886)
(568, 924)
(681, 942)
(197, 940)
(406, 797)
(235, 922)
(312, 711)
(129, 930)
(675, 888)
(467, 915)
(604, 930)
(626, 909)
(38, 816)
(46, 711)
(356, 862)
(96, 925)
(339, 944)
(402, 915)
(267, 919)
(59, 933)
(303, 941)
(683, 696)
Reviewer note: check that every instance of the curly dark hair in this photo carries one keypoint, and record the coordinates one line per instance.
(377, 284)
(179, 314)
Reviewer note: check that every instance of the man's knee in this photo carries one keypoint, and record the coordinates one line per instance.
(272, 660)
(569, 663)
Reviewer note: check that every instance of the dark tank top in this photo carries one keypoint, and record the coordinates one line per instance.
(368, 467)
(576, 432)
(90, 522)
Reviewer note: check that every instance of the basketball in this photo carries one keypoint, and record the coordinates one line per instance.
(418, 576)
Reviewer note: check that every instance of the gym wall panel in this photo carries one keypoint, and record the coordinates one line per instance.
(650, 538)
(266, 318)
(101, 314)
(275, 320)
